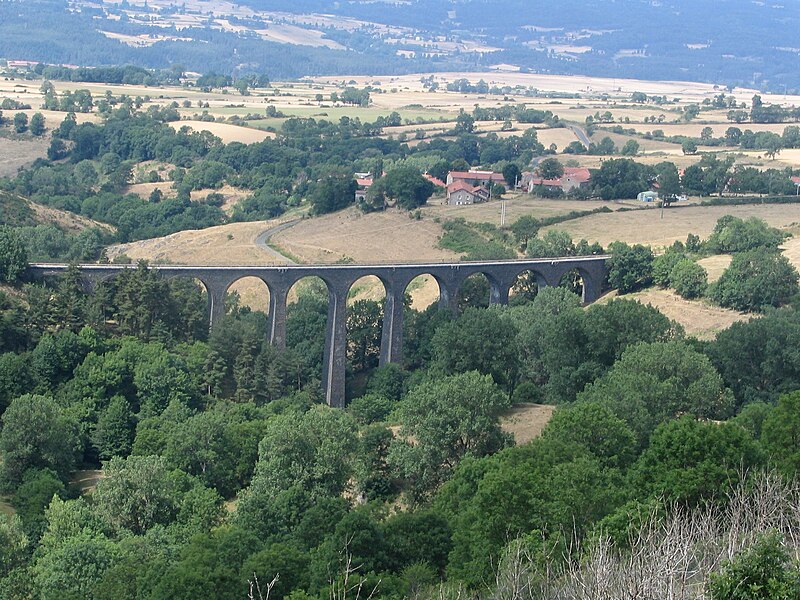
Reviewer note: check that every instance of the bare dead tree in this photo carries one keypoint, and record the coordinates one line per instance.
(348, 583)
(672, 553)
(256, 592)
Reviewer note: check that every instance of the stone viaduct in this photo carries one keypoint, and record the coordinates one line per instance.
(340, 278)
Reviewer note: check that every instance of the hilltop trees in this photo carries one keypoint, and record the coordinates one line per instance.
(689, 279)
(332, 193)
(652, 383)
(732, 235)
(37, 124)
(20, 122)
(13, 254)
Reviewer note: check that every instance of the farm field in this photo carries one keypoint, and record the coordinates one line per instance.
(16, 153)
(517, 205)
(719, 126)
(645, 226)
(226, 132)
(437, 111)
(391, 236)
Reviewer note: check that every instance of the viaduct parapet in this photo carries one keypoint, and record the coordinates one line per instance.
(340, 278)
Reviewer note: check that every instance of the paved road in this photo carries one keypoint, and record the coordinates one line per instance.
(581, 135)
(262, 241)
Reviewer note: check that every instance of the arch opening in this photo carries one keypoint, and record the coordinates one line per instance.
(248, 294)
(204, 298)
(308, 299)
(474, 292)
(525, 288)
(574, 282)
(366, 302)
(423, 313)
(422, 292)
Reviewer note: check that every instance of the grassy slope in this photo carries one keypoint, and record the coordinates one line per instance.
(15, 210)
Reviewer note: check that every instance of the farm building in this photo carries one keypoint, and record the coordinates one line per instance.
(461, 192)
(475, 178)
(434, 180)
(649, 196)
(363, 183)
(573, 178)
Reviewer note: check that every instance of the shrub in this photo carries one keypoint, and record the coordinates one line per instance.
(755, 280)
(689, 279)
(663, 266)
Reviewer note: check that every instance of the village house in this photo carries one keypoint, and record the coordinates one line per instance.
(363, 182)
(796, 181)
(573, 178)
(462, 192)
(484, 179)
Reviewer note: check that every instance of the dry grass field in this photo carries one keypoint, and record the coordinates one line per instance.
(791, 250)
(526, 421)
(645, 226)
(226, 132)
(698, 318)
(693, 129)
(715, 265)
(232, 244)
(386, 237)
(517, 205)
(15, 154)
(65, 220)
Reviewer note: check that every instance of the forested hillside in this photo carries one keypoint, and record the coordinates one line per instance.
(220, 469)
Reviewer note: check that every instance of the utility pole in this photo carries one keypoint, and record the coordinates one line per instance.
(502, 213)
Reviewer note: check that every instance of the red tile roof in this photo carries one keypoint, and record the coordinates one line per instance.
(477, 175)
(579, 175)
(434, 180)
(364, 182)
(796, 180)
(458, 186)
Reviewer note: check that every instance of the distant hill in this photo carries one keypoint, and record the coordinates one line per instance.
(730, 42)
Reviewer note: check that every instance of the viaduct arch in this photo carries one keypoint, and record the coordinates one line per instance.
(339, 279)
